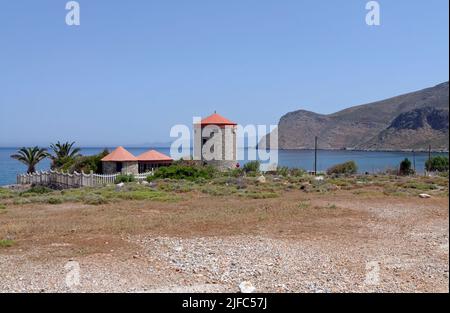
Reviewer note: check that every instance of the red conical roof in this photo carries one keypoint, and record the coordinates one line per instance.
(216, 119)
(120, 154)
(153, 155)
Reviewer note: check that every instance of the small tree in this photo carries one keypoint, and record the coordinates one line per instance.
(63, 153)
(86, 163)
(347, 168)
(30, 157)
(438, 163)
(252, 167)
(405, 167)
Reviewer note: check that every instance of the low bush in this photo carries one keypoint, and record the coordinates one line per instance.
(236, 172)
(20, 201)
(54, 200)
(297, 172)
(293, 172)
(183, 172)
(419, 186)
(437, 164)
(94, 199)
(347, 168)
(2, 206)
(38, 190)
(5, 193)
(123, 178)
(283, 171)
(5, 243)
(252, 167)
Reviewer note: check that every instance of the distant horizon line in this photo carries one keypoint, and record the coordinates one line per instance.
(247, 147)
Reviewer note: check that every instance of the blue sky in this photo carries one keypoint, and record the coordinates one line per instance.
(132, 69)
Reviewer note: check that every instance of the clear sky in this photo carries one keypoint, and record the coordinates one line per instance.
(132, 69)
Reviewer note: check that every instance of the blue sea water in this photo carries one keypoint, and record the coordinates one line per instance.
(367, 161)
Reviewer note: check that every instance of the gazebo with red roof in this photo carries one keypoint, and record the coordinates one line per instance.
(152, 159)
(120, 161)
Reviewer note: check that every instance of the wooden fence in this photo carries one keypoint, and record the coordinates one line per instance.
(75, 180)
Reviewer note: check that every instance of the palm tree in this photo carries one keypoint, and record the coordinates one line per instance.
(63, 152)
(30, 157)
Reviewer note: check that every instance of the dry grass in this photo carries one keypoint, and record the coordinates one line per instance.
(225, 206)
(355, 219)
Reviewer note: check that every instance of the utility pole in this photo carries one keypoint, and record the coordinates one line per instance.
(429, 157)
(414, 160)
(315, 156)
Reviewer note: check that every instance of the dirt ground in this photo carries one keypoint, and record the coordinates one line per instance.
(298, 242)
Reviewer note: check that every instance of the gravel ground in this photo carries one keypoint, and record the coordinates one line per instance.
(276, 265)
(211, 264)
(392, 247)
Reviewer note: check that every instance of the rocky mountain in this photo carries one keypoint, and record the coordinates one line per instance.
(410, 121)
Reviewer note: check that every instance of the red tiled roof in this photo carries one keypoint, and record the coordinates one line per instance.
(216, 119)
(120, 154)
(153, 155)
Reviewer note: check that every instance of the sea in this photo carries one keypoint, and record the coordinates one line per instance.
(367, 161)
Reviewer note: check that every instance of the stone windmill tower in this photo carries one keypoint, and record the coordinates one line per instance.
(215, 142)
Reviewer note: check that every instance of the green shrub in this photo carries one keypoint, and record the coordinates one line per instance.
(5, 193)
(252, 167)
(405, 167)
(2, 206)
(236, 172)
(123, 178)
(37, 190)
(346, 168)
(54, 200)
(5, 243)
(20, 201)
(293, 172)
(63, 163)
(283, 171)
(94, 199)
(437, 164)
(183, 172)
(419, 186)
(297, 172)
(85, 163)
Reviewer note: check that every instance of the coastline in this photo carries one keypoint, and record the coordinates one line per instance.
(368, 160)
(258, 148)
(361, 150)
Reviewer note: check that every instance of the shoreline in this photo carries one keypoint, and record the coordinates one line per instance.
(361, 150)
(289, 154)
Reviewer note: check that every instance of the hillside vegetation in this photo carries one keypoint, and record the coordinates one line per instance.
(410, 121)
